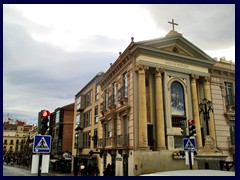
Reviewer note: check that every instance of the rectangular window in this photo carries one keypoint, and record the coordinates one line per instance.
(232, 135)
(89, 98)
(114, 92)
(96, 115)
(56, 132)
(86, 139)
(88, 118)
(77, 119)
(125, 85)
(230, 101)
(97, 92)
(78, 102)
(109, 129)
(89, 139)
(106, 98)
(57, 116)
(178, 144)
(95, 138)
(150, 135)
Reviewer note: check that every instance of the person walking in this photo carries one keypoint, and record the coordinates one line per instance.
(112, 170)
(106, 172)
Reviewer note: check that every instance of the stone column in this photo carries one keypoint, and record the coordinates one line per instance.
(207, 94)
(142, 108)
(159, 110)
(196, 111)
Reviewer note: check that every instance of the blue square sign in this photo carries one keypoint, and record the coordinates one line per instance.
(189, 144)
(42, 144)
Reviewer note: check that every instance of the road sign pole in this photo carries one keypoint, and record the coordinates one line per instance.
(190, 159)
(40, 165)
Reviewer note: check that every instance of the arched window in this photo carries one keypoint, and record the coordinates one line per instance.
(177, 99)
(177, 104)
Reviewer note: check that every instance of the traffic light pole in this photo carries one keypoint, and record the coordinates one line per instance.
(44, 127)
(40, 164)
(188, 130)
(190, 159)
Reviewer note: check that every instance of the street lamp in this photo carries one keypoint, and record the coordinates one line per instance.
(206, 107)
(76, 160)
(77, 137)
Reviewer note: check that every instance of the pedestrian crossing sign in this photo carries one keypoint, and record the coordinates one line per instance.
(189, 144)
(42, 144)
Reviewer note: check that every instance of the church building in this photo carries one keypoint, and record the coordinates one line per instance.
(146, 93)
(162, 102)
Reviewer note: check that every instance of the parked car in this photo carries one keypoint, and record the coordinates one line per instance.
(198, 172)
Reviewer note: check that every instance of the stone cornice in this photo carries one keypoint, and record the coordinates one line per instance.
(154, 52)
(118, 66)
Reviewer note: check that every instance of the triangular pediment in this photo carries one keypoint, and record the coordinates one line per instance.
(174, 43)
(176, 49)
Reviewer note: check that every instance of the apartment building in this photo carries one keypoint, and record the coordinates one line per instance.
(86, 124)
(15, 135)
(61, 129)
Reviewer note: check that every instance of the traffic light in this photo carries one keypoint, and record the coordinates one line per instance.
(191, 127)
(184, 128)
(44, 121)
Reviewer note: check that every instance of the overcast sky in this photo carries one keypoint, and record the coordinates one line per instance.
(50, 51)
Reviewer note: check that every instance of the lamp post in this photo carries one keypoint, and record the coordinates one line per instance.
(76, 137)
(76, 159)
(206, 107)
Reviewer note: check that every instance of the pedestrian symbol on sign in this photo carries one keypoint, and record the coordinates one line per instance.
(189, 144)
(42, 145)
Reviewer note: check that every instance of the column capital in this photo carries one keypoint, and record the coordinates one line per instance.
(194, 76)
(159, 71)
(207, 79)
(141, 67)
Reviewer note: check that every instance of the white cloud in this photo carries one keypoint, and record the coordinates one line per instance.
(49, 50)
(72, 26)
(228, 53)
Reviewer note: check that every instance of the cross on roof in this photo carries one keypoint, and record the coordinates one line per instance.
(173, 24)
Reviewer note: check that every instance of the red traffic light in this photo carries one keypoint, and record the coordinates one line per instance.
(45, 113)
(191, 122)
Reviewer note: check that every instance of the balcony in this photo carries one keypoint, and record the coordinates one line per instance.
(230, 103)
(101, 143)
(122, 141)
(82, 105)
(103, 106)
(112, 102)
(123, 94)
(230, 108)
(108, 142)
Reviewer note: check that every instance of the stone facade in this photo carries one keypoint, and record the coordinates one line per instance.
(146, 93)
(224, 106)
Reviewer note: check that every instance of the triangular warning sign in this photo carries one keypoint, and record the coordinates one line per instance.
(42, 145)
(189, 145)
